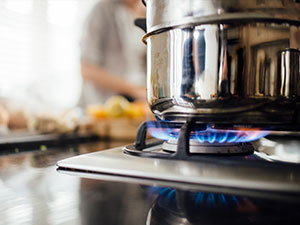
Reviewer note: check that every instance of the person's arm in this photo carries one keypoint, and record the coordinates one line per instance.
(108, 81)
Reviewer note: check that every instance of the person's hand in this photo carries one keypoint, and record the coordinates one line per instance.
(138, 93)
(136, 8)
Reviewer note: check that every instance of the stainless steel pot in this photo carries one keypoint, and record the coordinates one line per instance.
(171, 13)
(224, 62)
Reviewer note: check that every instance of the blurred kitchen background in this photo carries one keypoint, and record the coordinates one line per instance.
(39, 42)
(40, 123)
(40, 78)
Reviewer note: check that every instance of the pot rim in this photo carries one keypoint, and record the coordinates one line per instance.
(229, 18)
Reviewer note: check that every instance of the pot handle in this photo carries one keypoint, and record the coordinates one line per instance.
(141, 23)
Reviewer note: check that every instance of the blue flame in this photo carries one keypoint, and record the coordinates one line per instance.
(171, 193)
(211, 135)
(223, 199)
(162, 133)
(228, 136)
(214, 200)
(198, 199)
(166, 192)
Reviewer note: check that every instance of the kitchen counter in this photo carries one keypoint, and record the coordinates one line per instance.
(33, 192)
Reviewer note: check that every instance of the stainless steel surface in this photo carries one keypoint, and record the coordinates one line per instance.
(32, 192)
(182, 186)
(289, 73)
(212, 71)
(227, 172)
(170, 13)
(210, 148)
(224, 62)
(284, 149)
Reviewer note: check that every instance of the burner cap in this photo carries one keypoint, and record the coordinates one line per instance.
(211, 148)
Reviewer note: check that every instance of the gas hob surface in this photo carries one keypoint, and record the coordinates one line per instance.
(260, 171)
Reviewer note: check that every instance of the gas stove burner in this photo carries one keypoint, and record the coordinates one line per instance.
(210, 148)
(190, 140)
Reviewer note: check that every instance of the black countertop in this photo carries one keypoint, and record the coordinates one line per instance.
(33, 192)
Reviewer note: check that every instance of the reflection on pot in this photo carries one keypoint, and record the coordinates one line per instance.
(236, 73)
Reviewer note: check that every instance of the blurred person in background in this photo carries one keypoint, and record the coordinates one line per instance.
(113, 58)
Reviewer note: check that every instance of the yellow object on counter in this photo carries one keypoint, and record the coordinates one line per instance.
(118, 118)
(136, 111)
(117, 107)
(97, 111)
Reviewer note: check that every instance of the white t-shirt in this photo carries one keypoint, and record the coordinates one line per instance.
(111, 40)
